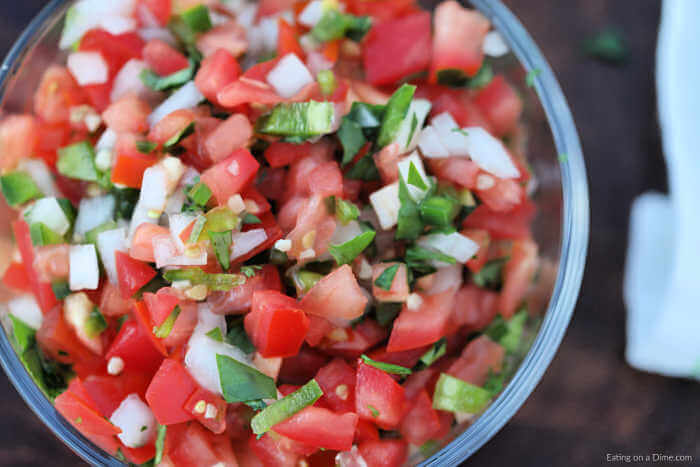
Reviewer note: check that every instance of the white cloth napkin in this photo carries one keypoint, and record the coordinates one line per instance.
(662, 277)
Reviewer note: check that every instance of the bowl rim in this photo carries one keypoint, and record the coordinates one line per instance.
(575, 231)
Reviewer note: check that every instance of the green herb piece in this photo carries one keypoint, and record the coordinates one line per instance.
(160, 444)
(146, 147)
(251, 219)
(60, 289)
(306, 279)
(197, 18)
(278, 257)
(365, 169)
(438, 211)
(166, 327)
(197, 229)
(126, 199)
(507, 333)
(256, 405)
(215, 334)
(346, 252)
(222, 282)
(18, 188)
(608, 46)
(373, 410)
(186, 35)
(494, 382)
(490, 276)
(51, 377)
(456, 78)
(429, 448)
(531, 76)
(249, 271)
(42, 235)
(368, 116)
(326, 81)
(298, 119)
(351, 138)
(386, 367)
(78, 161)
(336, 25)
(237, 336)
(241, 383)
(414, 126)
(286, 407)
(386, 278)
(23, 334)
(461, 131)
(221, 241)
(163, 83)
(414, 177)
(387, 312)
(409, 224)
(454, 395)
(345, 211)
(434, 353)
(417, 256)
(79, 420)
(95, 323)
(199, 194)
(178, 137)
(395, 112)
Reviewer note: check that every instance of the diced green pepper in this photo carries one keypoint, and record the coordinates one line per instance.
(18, 188)
(454, 395)
(298, 119)
(78, 161)
(286, 407)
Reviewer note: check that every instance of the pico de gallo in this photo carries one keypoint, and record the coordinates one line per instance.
(275, 233)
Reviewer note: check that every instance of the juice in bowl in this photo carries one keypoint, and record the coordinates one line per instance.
(281, 233)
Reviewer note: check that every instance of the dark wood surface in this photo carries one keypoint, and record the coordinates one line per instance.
(590, 402)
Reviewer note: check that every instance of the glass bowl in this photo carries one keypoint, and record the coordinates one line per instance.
(561, 228)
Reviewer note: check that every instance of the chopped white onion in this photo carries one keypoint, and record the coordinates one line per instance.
(494, 45)
(236, 7)
(312, 14)
(289, 76)
(136, 420)
(76, 311)
(175, 202)
(416, 115)
(88, 14)
(154, 189)
(93, 212)
(84, 271)
(118, 24)
(455, 244)
(164, 34)
(345, 233)
(489, 153)
(207, 320)
(246, 14)
(187, 97)
(386, 204)
(166, 253)
(128, 81)
(430, 144)
(451, 136)
(108, 140)
(88, 68)
(49, 212)
(244, 242)
(178, 222)
(26, 309)
(109, 242)
(404, 165)
(41, 174)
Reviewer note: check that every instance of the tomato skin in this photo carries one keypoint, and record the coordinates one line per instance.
(231, 175)
(339, 288)
(414, 329)
(91, 424)
(218, 71)
(270, 453)
(16, 277)
(398, 289)
(161, 304)
(300, 368)
(517, 276)
(197, 446)
(139, 455)
(405, 358)
(58, 340)
(276, 324)
(216, 425)
(326, 180)
(160, 9)
(142, 241)
(320, 427)
(361, 338)
(233, 133)
(115, 49)
(229, 36)
(144, 319)
(134, 347)
(130, 164)
(504, 196)
(483, 239)
(397, 48)
(514, 225)
(172, 124)
(132, 273)
(42, 290)
(238, 299)
(19, 137)
(163, 59)
(378, 389)
(287, 40)
(384, 453)
(337, 374)
(421, 422)
(107, 392)
(478, 358)
(169, 391)
(501, 105)
(475, 307)
(127, 115)
(57, 93)
(112, 303)
(382, 10)
(457, 170)
(280, 154)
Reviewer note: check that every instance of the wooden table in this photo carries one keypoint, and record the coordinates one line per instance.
(590, 402)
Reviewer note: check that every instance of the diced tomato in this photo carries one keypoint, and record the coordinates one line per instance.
(483, 239)
(337, 295)
(318, 329)
(169, 391)
(144, 319)
(231, 134)
(475, 307)
(416, 328)
(229, 176)
(215, 424)
(384, 453)
(280, 154)
(52, 262)
(19, 138)
(16, 278)
(135, 348)
(199, 447)
(217, 71)
(133, 274)
(139, 455)
(501, 105)
(420, 380)
(115, 49)
(287, 40)
(405, 358)
(42, 290)
(276, 323)
(421, 422)
(127, 115)
(159, 9)
(337, 380)
(268, 449)
(238, 299)
(353, 342)
(87, 421)
(387, 161)
(378, 398)
(57, 339)
(458, 40)
(300, 368)
(478, 358)
(130, 164)
(512, 225)
(382, 10)
(107, 392)
(517, 276)
(183, 327)
(112, 303)
(161, 304)
(397, 48)
(320, 427)
(229, 36)
(171, 125)
(57, 93)
(503, 196)
(366, 431)
(163, 59)
(271, 183)
(272, 232)
(252, 194)
(326, 180)
(270, 7)
(305, 161)
(398, 288)
(458, 170)
(142, 241)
